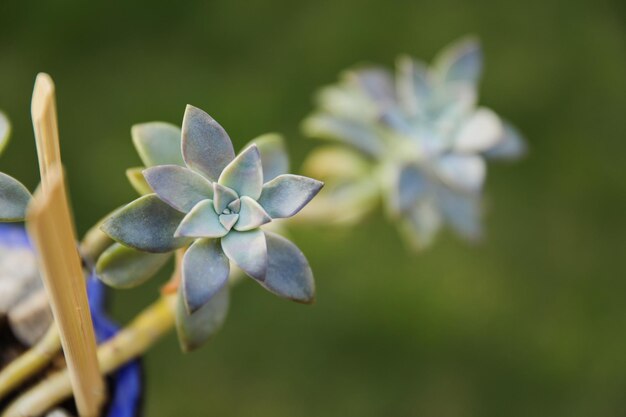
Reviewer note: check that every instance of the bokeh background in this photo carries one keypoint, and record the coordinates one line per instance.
(531, 322)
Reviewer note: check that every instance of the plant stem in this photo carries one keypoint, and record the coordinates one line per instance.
(31, 362)
(145, 330)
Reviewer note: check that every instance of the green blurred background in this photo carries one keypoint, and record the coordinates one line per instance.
(532, 322)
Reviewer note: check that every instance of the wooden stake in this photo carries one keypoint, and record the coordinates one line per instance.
(44, 114)
(50, 228)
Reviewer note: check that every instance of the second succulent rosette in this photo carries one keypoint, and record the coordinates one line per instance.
(416, 139)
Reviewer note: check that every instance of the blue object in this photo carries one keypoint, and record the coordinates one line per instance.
(127, 382)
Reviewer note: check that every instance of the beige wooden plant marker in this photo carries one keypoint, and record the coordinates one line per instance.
(50, 226)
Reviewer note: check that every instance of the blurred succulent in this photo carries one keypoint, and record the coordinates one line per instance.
(211, 204)
(420, 139)
(14, 197)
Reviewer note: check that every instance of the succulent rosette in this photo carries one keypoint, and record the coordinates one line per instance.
(214, 205)
(417, 139)
(14, 197)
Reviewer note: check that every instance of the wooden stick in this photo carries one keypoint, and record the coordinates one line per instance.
(50, 227)
(44, 114)
(49, 223)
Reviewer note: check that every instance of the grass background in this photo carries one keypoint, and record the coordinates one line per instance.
(529, 323)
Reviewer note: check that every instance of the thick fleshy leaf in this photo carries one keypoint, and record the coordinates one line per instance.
(411, 184)
(414, 85)
(223, 197)
(377, 83)
(335, 162)
(179, 187)
(229, 220)
(234, 206)
(421, 224)
(244, 174)
(274, 158)
(481, 131)
(248, 250)
(354, 133)
(510, 146)
(147, 224)
(286, 194)
(195, 329)
(201, 221)
(251, 215)
(205, 271)
(464, 172)
(137, 180)
(14, 198)
(5, 131)
(206, 145)
(462, 211)
(342, 202)
(157, 143)
(122, 267)
(347, 100)
(461, 61)
(288, 272)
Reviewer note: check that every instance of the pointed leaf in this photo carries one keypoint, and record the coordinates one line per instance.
(234, 206)
(288, 273)
(510, 146)
(461, 61)
(201, 221)
(147, 224)
(195, 329)
(481, 131)
(251, 215)
(274, 158)
(136, 179)
(206, 145)
(377, 83)
(179, 187)
(244, 174)
(462, 211)
(421, 224)
(123, 267)
(5, 131)
(157, 143)
(228, 220)
(14, 198)
(410, 185)
(346, 100)
(285, 195)
(248, 251)
(223, 197)
(205, 271)
(357, 134)
(414, 85)
(464, 172)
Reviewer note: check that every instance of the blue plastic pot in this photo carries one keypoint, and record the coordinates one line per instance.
(125, 400)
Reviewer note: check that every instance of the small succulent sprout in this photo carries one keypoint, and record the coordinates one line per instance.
(14, 196)
(422, 137)
(213, 205)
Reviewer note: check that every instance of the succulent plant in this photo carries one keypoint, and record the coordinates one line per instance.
(14, 197)
(416, 139)
(212, 204)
